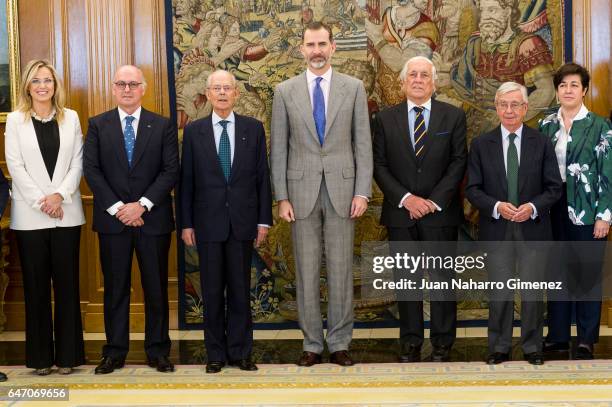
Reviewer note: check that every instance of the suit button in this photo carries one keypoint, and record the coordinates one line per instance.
(227, 204)
(418, 170)
(229, 188)
(323, 154)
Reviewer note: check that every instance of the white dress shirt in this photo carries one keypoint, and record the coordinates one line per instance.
(144, 201)
(231, 132)
(505, 144)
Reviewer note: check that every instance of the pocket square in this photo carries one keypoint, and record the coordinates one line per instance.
(443, 133)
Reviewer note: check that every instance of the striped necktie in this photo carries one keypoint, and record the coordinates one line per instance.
(419, 131)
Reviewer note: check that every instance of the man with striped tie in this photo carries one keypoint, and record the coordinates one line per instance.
(226, 204)
(419, 161)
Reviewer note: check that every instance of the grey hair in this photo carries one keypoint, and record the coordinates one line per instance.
(404, 70)
(218, 71)
(508, 87)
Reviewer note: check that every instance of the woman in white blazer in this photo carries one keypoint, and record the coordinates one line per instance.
(44, 147)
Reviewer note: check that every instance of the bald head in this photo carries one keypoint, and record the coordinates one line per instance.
(222, 92)
(128, 88)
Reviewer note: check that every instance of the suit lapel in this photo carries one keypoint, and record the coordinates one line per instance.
(496, 154)
(143, 135)
(527, 150)
(37, 160)
(436, 116)
(403, 130)
(210, 148)
(116, 135)
(65, 132)
(303, 104)
(240, 143)
(336, 96)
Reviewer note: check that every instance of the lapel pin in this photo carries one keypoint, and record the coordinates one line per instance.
(148, 126)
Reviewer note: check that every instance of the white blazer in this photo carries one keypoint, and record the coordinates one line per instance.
(30, 179)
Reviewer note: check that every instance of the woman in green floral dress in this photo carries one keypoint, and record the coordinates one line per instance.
(583, 145)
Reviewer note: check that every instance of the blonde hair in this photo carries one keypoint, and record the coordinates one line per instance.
(24, 99)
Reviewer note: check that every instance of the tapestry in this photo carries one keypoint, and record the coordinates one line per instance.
(475, 45)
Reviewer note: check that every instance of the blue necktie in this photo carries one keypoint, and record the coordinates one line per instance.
(225, 154)
(318, 110)
(419, 131)
(129, 138)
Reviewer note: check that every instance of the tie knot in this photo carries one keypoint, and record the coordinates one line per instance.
(129, 119)
(512, 136)
(224, 123)
(418, 109)
(319, 79)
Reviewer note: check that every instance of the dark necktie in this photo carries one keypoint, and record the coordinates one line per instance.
(318, 110)
(129, 137)
(419, 131)
(225, 154)
(512, 170)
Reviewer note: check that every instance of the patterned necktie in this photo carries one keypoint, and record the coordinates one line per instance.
(129, 137)
(318, 110)
(512, 170)
(225, 154)
(419, 131)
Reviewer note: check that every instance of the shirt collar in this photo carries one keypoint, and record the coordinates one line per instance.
(310, 77)
(582, 113)
(135, 115)
(216, 118)
(505, 132)
(426, 105)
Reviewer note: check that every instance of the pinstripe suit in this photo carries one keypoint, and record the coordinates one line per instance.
(320, 182)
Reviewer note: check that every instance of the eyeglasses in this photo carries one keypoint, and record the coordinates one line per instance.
(503, 106)
(131, 85)
(218, 89)
(38, 82)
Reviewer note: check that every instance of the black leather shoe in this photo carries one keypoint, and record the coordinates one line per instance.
(308, 359)
(214, 367)
(534, 358)
(342, 358)
(244, 364)
(410, 354)
(497, 357)
(583, 353)
(3, 377)
(162, 364)
(551, 347)
(440, 354)
(109, 364)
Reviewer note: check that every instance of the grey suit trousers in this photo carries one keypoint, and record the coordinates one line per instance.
(324, 226)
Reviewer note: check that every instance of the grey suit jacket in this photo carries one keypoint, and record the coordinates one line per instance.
(298, 161)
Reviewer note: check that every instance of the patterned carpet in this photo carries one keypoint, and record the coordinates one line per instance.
(557, 383)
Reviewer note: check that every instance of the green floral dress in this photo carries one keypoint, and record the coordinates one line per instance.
(588, 167)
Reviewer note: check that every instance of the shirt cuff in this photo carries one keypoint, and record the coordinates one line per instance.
(403, 199)
(263, 225)
(495, 211)
(364, 197)
(535, 211)
(436, 205)
(146, 202)
(112, 211)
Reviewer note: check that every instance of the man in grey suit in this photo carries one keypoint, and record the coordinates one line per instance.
(321, 159)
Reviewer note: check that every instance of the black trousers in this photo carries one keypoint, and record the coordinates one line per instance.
(51, 256)
(579, 265)
(116, 252)
(443, 320)
(225, 277)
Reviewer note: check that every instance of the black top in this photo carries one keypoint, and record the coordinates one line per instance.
(49, 142)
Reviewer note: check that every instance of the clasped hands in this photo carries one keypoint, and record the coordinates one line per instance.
(131, 214)
(513, 214)
(358, 207)
(52, 205)
(418, 207)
